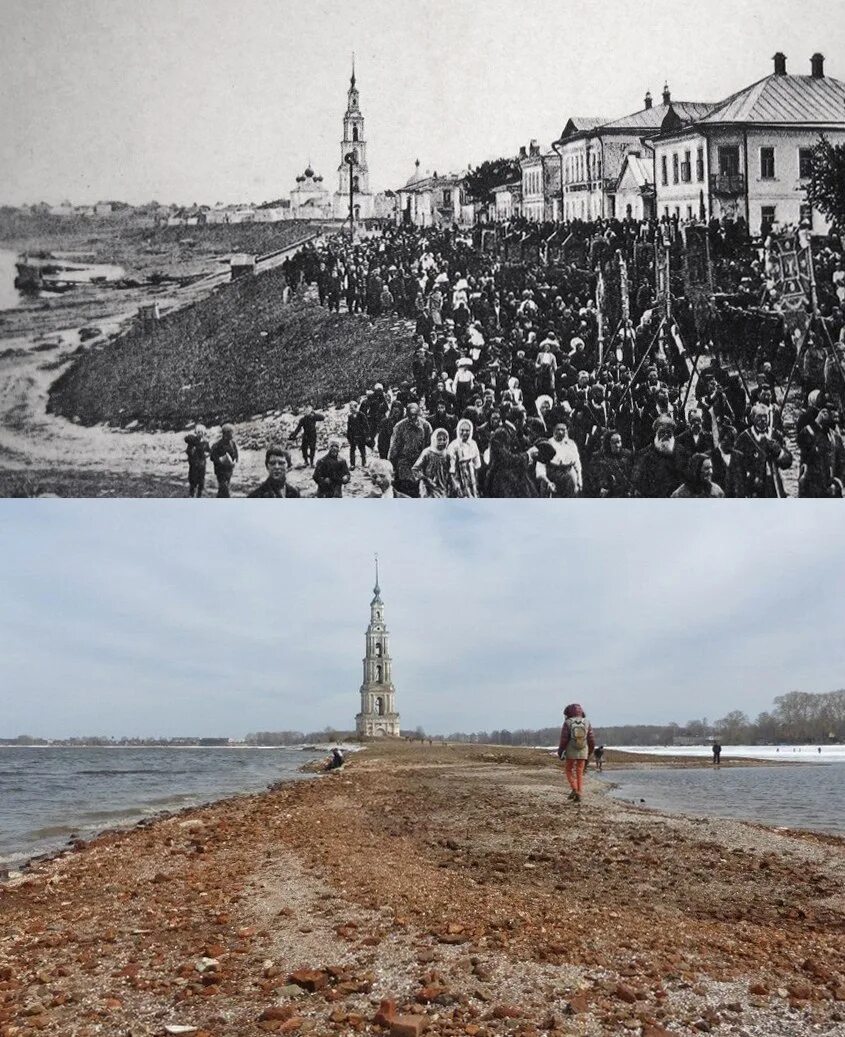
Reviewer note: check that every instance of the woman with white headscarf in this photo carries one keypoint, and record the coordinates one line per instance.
(432, 467)
(464, 461)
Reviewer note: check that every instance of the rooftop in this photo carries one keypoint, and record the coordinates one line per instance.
(781, 98)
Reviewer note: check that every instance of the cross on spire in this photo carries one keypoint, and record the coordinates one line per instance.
(352, 80)
(376, 589)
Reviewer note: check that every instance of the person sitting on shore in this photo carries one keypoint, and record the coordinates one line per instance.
(277, 463)
(197, 449)
(335, 761)
(576, 746)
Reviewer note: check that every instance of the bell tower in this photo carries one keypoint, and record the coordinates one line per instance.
(378, 716)
(353, 143)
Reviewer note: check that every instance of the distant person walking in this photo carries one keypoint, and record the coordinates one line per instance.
(717, 753)
(307, 425)
(598, 756)
(224, 457)
(197, 449)
(576, 746)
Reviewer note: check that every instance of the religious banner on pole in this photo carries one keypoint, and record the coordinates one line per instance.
(600, 307)
(624, 289)
(661, 278)
(790, 272)
(698, 282)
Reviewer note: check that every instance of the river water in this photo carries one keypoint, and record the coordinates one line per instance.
(810, 794)
(48, 794)
(10, 297)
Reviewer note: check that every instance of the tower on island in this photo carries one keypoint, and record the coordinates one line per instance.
(378, 716)
(353, 144)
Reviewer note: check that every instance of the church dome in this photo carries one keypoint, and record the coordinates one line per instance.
(309, 172)
(415, 176)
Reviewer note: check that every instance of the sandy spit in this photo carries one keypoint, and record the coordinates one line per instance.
(453, 886)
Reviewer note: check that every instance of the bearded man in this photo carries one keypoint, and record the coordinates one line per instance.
(655, 470)
(758, 458)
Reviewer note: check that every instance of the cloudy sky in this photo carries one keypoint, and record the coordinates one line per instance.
(157, 618)
(214, 100)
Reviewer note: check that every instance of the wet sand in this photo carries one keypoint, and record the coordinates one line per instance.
(455, 884)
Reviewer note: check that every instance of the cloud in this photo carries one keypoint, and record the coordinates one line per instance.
(145, 618)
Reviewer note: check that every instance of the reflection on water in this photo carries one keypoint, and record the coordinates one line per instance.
(793, 796)
(10, 297)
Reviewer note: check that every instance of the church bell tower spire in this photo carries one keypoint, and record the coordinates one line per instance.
(378, 716)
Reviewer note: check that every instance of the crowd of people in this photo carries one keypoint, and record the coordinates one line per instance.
(518, 388)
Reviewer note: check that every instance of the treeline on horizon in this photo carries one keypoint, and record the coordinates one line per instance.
(797, 716)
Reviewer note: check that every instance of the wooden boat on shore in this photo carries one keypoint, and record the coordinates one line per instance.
(61, 272)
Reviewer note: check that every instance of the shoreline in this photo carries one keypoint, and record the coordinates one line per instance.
(616, 759)
(456, 883)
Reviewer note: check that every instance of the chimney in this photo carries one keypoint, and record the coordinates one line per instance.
(780, 64)
(667, 97)
(534, 148)
(817, 65)
(522, 152)
(648, 99)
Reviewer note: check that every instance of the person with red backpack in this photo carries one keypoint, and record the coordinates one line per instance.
(576, 747)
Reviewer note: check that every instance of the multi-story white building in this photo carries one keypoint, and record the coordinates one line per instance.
(507, 201)
(749, 156)
(430, 200)
(592, 156)
(540, 183)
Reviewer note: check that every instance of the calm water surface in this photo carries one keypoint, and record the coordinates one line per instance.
(802, 796)
(47, 794)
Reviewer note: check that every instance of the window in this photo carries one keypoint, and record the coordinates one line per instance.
(699, 165)
(805, 163)
(686, 170)
(355, 186)
(664, 171)
(675, 165)
(767, 163)
(447, 197)
(677, 212)
(354, 132)
(689, 212)
(767, 218)
(806, 213)
(666, 211)
(729, 160)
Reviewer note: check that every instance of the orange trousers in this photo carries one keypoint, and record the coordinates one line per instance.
(575, 774)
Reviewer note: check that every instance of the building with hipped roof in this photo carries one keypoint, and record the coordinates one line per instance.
(749, 157)
(593, 151)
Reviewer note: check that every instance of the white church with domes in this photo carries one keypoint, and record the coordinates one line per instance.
(310, 199)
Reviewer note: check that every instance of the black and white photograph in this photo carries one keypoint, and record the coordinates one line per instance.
(377, 249)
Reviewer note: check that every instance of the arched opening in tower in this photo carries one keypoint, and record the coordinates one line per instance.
(380, 706)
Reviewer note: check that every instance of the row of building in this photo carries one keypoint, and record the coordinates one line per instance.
(748, 156)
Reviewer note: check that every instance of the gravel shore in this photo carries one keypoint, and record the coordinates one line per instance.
(429, 889)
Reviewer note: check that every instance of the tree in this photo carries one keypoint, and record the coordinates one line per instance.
(479, 182)
(734, 727)
(826, 189)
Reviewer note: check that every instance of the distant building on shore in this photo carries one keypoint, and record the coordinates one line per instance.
(378, 716)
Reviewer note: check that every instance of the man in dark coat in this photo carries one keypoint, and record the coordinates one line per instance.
(224, 457)
(197, 449)
(693, 440)
(357, 433)
(307, 424)
(822, 457)
(410, 437)
(331, 473)
(757, 459)
(656, 471)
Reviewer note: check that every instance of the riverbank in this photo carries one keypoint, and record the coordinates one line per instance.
(455, 882)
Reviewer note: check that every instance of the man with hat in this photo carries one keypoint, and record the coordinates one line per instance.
(822, 456)
(655, 470)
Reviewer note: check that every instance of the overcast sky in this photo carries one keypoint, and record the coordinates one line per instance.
(157, 618)
(215, 100)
